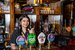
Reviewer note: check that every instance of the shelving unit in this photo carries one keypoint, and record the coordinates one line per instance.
(36, 11)
(56, 7)
(4, 9)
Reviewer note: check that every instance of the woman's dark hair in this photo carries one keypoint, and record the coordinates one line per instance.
(24, 16)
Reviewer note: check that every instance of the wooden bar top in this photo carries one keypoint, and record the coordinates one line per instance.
(43, 48)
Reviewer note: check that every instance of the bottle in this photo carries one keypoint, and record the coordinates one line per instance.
(70, 24)
(64, 28)
(73, 28)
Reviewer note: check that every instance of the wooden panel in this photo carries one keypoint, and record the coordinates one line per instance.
(11, 16)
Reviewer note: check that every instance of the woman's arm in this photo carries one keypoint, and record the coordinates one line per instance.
(13, 40)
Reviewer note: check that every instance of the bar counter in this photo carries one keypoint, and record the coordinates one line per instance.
(43, 48)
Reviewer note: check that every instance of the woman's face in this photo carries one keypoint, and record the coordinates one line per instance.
(24, 22)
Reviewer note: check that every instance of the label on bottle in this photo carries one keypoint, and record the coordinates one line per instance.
(31, 39)
(41, 38)
(20, 40)
(50, 37)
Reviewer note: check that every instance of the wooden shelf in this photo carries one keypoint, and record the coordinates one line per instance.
(51, 14)
(4, 12)
(21, 2)
(18, 13)
(23, 13)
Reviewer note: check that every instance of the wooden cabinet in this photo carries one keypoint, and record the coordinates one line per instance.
(7, 14)
(4, 14)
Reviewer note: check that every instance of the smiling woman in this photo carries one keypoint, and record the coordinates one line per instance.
(22, 30)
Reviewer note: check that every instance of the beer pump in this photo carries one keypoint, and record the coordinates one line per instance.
(31, 37)
(41, 36)
(20, 41)
(50, 36)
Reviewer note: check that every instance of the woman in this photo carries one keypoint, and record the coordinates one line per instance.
(23, 30)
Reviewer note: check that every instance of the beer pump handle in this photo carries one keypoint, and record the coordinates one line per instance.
(30, 47)
(49, 45)
(19, 47)
(39, 46)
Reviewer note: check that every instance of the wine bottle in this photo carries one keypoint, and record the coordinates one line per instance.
(69, 27)
(64, 27)
(73, 28)
(30, 26)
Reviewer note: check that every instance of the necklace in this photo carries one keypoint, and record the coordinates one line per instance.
(23, 35)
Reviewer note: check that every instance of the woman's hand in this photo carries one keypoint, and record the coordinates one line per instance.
(13, 47)
(31, 30)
